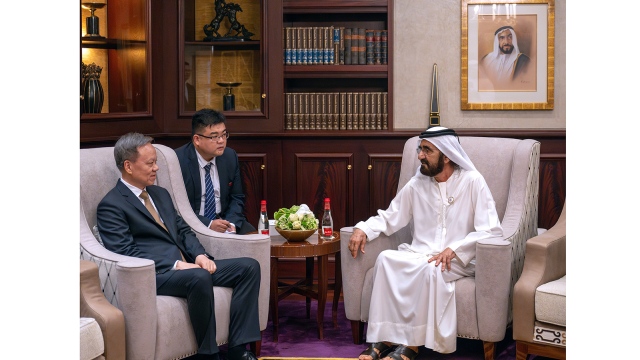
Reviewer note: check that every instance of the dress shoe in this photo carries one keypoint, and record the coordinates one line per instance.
(247, 355)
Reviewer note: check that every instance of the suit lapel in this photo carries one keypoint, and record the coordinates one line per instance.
(194, 171)
(134, 200)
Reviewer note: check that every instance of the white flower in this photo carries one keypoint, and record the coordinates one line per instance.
(296, 225)
(294, 217)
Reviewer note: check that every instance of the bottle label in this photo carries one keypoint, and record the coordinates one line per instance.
(264, 231)
(327, 231)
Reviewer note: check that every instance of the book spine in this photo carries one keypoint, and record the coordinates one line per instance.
(360, 111)
(369, 46)
(385, 125)
(288, 112)
(336, 46)
(367, 111)
(285, 46)
(349, 111)
(343, 111)
(383, 47)
(295, 117)
(299, 45)
(314, 45)
(292, 50)
(312, 112)
(328, 36)
(306, 52)
(335, 111)
(378, 111)
(362, 47)
(341, 47)
(305, 113)
(347, 46)
(377, 49)
(321, 99)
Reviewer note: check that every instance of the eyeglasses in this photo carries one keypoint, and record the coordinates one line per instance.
(225, 135)
(425, 150)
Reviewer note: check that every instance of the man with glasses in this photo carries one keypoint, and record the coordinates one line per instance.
(211, 174)
(450, 208)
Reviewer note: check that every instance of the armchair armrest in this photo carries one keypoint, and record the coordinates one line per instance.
(493, 287)
(545, 261)
(356, 269)
(93, 304)
(130, 285)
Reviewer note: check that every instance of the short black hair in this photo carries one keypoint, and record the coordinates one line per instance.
(204, 118)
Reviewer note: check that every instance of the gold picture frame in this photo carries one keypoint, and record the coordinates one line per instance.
(492, 78)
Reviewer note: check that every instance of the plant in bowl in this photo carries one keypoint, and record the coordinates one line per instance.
(296, 223)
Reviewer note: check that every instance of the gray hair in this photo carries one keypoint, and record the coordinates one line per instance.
(126, 147)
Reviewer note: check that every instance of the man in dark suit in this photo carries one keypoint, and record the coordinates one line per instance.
(138, 219)
(208, 164)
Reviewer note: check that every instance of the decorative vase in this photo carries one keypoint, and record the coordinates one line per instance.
(92, 92)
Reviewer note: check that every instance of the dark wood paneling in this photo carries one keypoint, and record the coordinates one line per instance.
(321, 175)
(254, 183)
(383, 180)
(553, 169)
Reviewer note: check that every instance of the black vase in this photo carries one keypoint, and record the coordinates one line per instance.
(93, 95)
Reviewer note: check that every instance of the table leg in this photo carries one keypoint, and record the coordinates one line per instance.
(337, 289)
(273, 303)
(309, 282)
(323, 262)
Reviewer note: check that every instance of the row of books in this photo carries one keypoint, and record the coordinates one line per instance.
(334, 45)
(336, 111)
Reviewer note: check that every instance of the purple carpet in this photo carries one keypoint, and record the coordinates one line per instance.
(298, 337)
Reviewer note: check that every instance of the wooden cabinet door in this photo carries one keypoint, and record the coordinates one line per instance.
(384, 172)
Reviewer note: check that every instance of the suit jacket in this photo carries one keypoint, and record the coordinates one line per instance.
(231, 193)
(126, 227)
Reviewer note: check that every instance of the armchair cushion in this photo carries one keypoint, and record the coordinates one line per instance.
(551, 302)
(91, 340)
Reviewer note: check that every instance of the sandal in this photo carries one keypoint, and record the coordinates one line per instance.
(403, 350)
(382, 347)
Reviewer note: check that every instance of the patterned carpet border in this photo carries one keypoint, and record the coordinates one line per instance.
(300, 358)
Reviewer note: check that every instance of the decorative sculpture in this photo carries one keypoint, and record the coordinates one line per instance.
(224, 10)
(92, 92)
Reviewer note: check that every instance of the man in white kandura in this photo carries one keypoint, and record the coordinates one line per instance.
(451, 208)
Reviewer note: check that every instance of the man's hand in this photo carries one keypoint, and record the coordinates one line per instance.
(357, 241)
(206, 263)
(183, 265)
(220, 225)
(445, 258)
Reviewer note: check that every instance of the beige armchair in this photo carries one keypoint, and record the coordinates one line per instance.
(158, 327)
(539, 297)
(101, 324)
(510, 168)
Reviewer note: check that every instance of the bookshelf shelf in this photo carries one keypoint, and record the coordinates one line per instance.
(336, 71)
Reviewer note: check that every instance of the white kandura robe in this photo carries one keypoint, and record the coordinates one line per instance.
(413, 302)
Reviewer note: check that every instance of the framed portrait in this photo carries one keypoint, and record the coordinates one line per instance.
(507, 55)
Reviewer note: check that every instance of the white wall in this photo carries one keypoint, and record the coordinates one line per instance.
(428, 32)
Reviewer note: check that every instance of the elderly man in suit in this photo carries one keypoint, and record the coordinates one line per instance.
(137, 218)
(211, 174)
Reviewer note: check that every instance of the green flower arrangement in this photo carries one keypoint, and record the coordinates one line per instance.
(297, 217)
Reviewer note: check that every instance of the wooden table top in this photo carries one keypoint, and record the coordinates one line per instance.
(313, 246)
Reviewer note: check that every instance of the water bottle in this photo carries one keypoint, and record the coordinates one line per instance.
(327, 221)
(263, 221)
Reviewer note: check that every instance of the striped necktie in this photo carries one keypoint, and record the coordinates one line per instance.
(210, 199)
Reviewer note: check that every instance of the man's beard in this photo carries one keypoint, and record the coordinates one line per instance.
(432, 170)
(508, 51)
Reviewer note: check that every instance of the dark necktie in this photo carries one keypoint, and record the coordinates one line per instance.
(210, 199)
(147, 203)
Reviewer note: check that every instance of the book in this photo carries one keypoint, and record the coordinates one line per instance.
(321, 104)
(349, 117)
(360, 112)
(299, 45)
(336, 45)
(305, 112)
(377, 49)
(343, 110)
(288, 113)
(383, 47)
(295, 116)
(294, 46)
(312, 112)
(287, 45)
(385, 125)
(369, 45)
(362, 47)
(314, 46)
(347, 46)
(335, 119)
(377, 111)
(327, 47)
(367, 111)
(305, 46)
(341, 47)
(330, 45)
